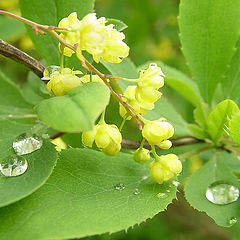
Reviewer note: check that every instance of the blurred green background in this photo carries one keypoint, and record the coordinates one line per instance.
(152, 35)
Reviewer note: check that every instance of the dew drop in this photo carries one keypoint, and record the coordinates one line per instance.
(119, 186)
(175, 183)
(50, 69)
(13, 166)
(136, 192)
(168, 191)
(233, 220)
(222, 192)
(162, 195)
(27, 143)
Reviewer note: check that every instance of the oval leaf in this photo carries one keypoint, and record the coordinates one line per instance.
(80, 199)
(234, 127)
(197, 184)
(77, 110)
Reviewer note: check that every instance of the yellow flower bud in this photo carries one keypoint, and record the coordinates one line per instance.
(166, 144)
(95, 78)
(141, 155)
(62, 81)
(171, 162)
(165, 167)
(157, 131)
(152, 77)
(107, 137)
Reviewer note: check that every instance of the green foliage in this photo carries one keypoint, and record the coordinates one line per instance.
(218, 117)
(72, 112)
(119, 25)
(40, 166)
(198, 183)
(234, 127)
(209, 31)
(80, 199)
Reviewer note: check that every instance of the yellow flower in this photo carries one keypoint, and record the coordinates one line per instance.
(72, 36)
(129, 97)
(107, 137)
(141, 155)
(157, 131)
(62, 81)
(165, 167)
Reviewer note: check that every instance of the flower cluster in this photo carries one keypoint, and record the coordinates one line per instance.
(92, 35)
(143, 96)
(107, 137)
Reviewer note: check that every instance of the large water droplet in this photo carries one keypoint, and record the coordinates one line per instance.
(162, 195)
(27, 143)
(119, 186)
(233, 220)
(222, 192)
(13, 166)
(136, 192)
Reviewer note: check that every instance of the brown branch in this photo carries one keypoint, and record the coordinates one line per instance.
(14, 53)
(130, 144)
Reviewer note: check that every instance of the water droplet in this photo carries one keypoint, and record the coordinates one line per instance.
(233, 220)
(136, 192)
(119, 186)
(27, 143)
(175, 183)
(13, 166)
(50, 69)
(162, 195)
(222, 192)
(168, 191)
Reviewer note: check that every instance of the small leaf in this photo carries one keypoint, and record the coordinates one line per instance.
(40, 165)
(197, 131)
(200, 114)
(197, 184)
(80, 199)
(234, 127)
(209, 31)
(218, 118)
(118, 25)
(77, 110)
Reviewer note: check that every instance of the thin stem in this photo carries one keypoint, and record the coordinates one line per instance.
(122, 78)
(122, 124)
(142, 143)
(62, 57)
(154, 152)
(102, 119)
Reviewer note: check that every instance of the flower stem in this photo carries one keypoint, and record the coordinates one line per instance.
(122, 124)
(154, 152)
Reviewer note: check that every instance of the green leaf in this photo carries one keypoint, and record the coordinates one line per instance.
(12, 102)
(197, 131)
(218, 117)
(80, 199)
(77, 110)
(200, 114)
(50, 12)
(10, 29)
(179, 82)
(119, 25)
(40, 165)
(209, 31)
(231, 160)
(197, 184)
(234, 127)
(163, 108)
(230, 84)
